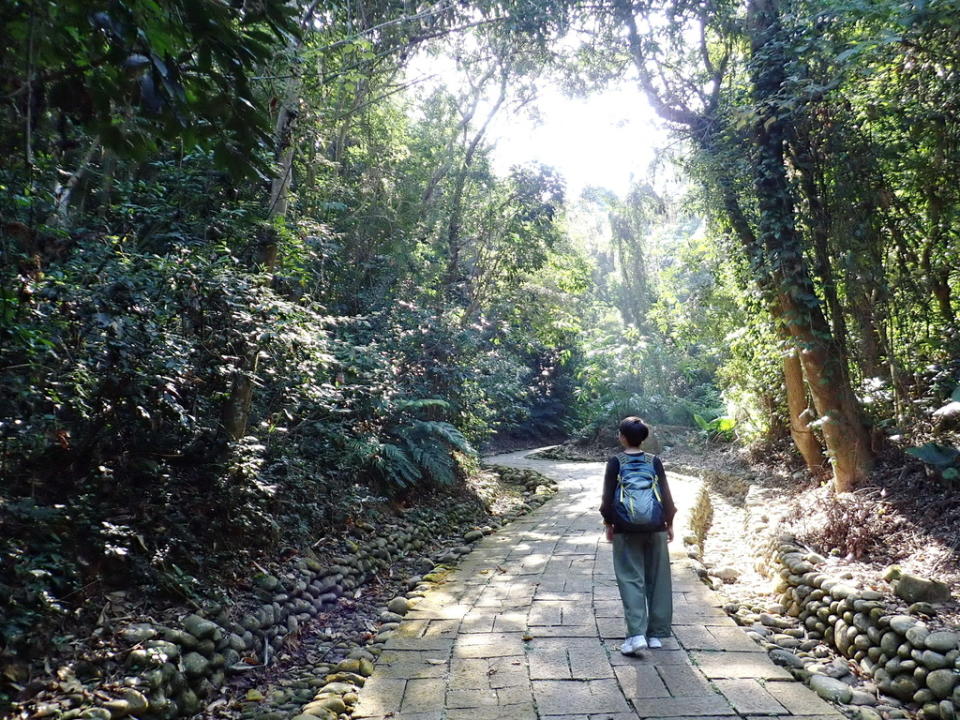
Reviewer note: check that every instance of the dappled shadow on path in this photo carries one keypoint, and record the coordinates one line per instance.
(529, 625)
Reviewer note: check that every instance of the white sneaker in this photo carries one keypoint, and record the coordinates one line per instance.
(654, 643)
(633, 645)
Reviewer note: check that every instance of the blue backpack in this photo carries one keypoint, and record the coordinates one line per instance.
(637, 503)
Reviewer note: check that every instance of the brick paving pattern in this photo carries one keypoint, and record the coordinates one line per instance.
(529, 627)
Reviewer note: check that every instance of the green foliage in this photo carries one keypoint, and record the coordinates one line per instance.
(409, 451)
(943, 459)
(852, 97)
(751, 376)
(133, 74)
(420, 303)
(656, 343)
(36, 569)
(719, 428)
(118, 348)
(140, 298)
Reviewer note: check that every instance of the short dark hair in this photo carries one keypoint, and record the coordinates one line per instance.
(634, 430)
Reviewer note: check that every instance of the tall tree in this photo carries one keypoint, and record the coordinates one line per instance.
(236, 409)
(706, 126)
(843, 428)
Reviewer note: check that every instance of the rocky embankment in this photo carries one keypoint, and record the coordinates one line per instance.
(299, 643)
(901, 659)
(876, 654)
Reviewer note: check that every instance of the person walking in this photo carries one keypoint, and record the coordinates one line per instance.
(638, 512)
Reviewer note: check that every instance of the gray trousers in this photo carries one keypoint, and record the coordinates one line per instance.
(641, 563)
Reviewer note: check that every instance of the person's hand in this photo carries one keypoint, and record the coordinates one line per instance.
(609, 532)
(670, 534)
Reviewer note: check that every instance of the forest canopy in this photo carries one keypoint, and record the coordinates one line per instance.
(252, 270)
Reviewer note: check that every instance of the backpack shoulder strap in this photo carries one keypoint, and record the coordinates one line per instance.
(620, 458)
(656, 476)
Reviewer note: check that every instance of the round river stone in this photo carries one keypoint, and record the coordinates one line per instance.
(830, 689)
(942, 641)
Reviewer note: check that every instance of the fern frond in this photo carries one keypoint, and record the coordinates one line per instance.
(436, 461)
(426, 446)
(445, 432)
(397, 466)
(361, 452)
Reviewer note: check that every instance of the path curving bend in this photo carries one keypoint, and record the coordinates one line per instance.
(528, 626)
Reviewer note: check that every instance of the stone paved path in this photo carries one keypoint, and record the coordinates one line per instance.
(529, 627)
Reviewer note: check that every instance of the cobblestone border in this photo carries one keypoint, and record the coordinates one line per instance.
(914, 667)
(173, 670)
(904, 657)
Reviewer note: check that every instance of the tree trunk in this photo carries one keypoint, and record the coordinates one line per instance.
(843, 429)
(901, 395)
(455, 222)
(870, 343)
(108, 167)
(63, 192)
(848, 442)
(235, 415)
(236, 410)
(803, 437)
(820, 230)
(632, 271)
(940, 282)
(936, 276)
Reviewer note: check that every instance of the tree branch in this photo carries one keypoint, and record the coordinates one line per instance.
(63, 193)
(673, 113)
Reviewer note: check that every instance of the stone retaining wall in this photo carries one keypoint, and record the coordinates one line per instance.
(821, 625)
(175, 671)
(904, 657)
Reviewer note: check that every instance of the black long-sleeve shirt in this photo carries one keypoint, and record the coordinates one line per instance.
(611, 479)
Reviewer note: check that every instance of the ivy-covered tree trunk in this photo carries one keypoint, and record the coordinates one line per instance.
(805, 440)
(821, 226)
(843, 429)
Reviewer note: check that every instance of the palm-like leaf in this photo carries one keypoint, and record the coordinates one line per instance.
(426, 447)
(397, 466)
(446, 433)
